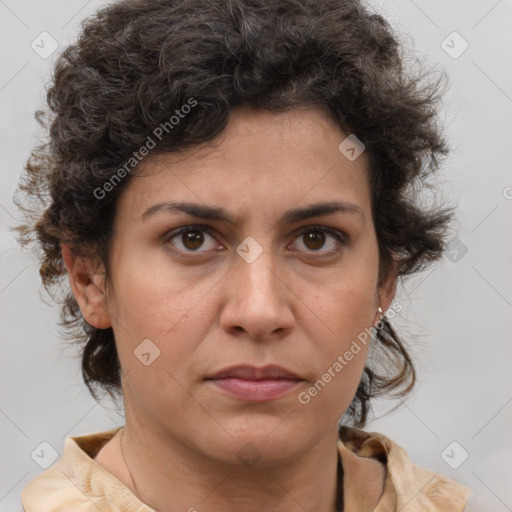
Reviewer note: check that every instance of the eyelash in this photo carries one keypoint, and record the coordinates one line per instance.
(339, 236)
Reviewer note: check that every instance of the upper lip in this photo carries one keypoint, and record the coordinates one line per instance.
(249, 372)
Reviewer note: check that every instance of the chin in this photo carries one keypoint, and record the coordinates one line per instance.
(262, 442)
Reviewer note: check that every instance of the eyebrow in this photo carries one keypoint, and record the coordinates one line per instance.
(220, 214)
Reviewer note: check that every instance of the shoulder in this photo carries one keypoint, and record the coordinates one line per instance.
(407, 485)
(51, 491)
(77, 482)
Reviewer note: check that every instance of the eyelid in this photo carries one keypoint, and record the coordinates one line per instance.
(340, 236)
(189, 227)
(336, 233)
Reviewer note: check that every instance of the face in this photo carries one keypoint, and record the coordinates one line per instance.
(271, 281)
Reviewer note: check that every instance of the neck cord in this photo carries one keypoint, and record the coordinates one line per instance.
(339, 486)
(340, 505)
(131, 476)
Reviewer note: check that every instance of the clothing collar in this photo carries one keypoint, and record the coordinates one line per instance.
(78, 482)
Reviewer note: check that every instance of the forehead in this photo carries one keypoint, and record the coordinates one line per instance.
(261, 158)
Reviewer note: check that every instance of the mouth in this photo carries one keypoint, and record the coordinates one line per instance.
(253, 384)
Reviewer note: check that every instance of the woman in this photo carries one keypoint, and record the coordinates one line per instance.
(228, 190)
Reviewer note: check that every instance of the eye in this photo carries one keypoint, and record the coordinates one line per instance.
(315, 238)
(192, 238)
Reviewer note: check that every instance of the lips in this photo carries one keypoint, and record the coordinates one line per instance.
(248, 372)
(252, 384)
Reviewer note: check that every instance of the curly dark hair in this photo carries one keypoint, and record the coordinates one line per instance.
(136, 63)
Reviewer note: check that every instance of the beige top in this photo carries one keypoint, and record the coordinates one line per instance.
(77, 483)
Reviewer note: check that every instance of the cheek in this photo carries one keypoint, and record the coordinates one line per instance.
(341, 330)
(153, 297)
(156, 304)
(158, 328)
(342, 310)
(339, 357)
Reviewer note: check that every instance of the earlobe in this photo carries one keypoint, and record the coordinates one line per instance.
(86, 279)
(387, 292)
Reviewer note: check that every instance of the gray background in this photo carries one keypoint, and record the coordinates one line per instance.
(457, 315)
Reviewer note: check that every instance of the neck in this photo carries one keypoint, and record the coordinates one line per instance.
(162, 472)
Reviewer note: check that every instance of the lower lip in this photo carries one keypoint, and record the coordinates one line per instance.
(255, 390)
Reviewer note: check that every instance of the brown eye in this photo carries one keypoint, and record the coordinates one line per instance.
(314, 240)
(192, 239)
(323, 240)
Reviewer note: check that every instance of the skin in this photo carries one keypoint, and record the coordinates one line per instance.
(210, 309)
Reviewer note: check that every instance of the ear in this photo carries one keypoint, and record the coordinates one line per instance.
(386, 290)
(87, 284)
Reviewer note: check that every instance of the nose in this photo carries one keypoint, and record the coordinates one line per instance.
(259, 300)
